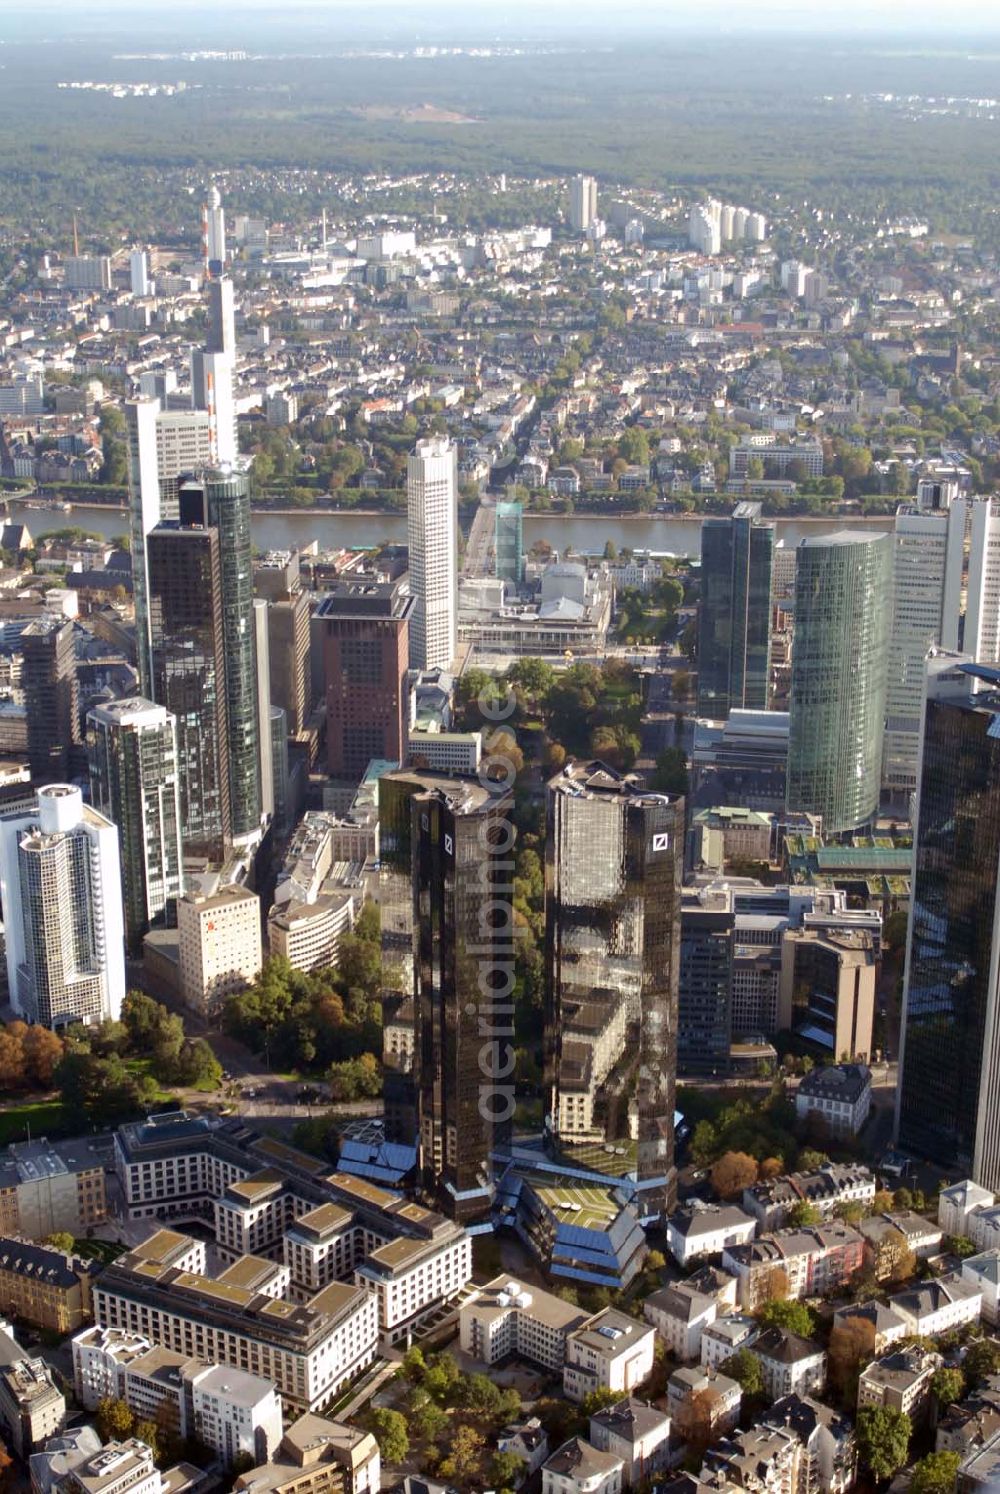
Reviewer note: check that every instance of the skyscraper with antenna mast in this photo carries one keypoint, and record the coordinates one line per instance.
(213, 232)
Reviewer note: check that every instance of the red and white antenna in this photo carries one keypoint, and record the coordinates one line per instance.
(213, 430)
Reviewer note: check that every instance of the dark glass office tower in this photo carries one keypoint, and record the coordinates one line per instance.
(613, 870)
(949, 1090)
(189, 676)
(399, 1022)
(220, 499)
(452, 834)
(734, 620)
(465, 1103)
(704, 1019)
(50, 695)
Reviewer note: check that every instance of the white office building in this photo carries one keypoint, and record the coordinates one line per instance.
(228, 1409)
(60, 880)
(927, 563)
(138, 268)
(982, 615)
(235, 1412)
(219, 940)
(432, 536)
(704, 228)
(582, 203)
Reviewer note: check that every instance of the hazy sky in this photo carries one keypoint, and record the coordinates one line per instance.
(963, 16)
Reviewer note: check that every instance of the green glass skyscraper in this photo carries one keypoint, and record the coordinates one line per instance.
(843, 595)
(734, 627)
(508, 548)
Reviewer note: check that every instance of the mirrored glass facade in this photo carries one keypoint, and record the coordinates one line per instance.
(132, 755)
(445, 945)
(843, 595)
(734, 619)
(614, 860)
(223, 498)
(949, 1097)
(508, 544)
(188, 665)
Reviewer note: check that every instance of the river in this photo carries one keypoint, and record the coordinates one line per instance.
(674, 535)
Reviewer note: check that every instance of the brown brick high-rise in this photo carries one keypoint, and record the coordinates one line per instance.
(364, 635)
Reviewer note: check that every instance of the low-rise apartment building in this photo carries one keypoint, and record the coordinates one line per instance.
(795, 1262)
(32, 1407)
(892, 1239)
(838, 1096)
(47, 1189)
(900, 1380)
(234, 1413)
(721, 1408)
(579, 1468)
(45, 1287)
(318, 1456)
(763, 1457)
(227, 1409)
(828, 1186)
(722, 1338)
(609, 1352)
(127, 1467)
(956, 1203)
(700, 1230)
(983, 1272)
(886, 1326)
(940, 1305)
(505, 1317)
(789, 1364)
(637, 1433)
(680, 1316)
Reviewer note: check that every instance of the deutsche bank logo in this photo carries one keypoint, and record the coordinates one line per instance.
(449, 845)
(661, 842)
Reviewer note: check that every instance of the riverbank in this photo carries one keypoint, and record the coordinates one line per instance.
(842, 521)
(350, 529)
(614, 516)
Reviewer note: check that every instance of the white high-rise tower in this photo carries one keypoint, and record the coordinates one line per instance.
(982, 616)
(582, 203)
(138, 269)
(927, 560)
(214, 232)
(60, 879)
(432, 535)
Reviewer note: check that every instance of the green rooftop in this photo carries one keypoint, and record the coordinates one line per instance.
(863, 859)
(578, 1203)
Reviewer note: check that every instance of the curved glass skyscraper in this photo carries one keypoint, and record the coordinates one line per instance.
(843, 594)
